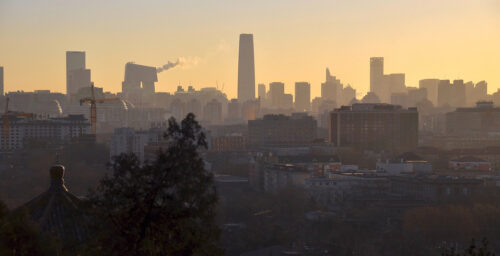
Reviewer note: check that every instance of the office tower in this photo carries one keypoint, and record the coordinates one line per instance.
(233, 110)
(476, 93)
(276, 92)
(212, 112)
(1, 81)
(481, 90)
(302, 96)
(348, 94)
(431, 85)
(377, 127)
(377, 75)
(331, 89)
(77, 76)
(416, 95)
(394, 83)
(299, 128)
(444, 93)
(137, 75)
(262, 92)
(246, 69)
(286, 101)
(458, 93)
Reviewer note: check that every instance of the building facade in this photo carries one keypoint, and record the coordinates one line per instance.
(62, 129)
(299, 128)
(377, 127)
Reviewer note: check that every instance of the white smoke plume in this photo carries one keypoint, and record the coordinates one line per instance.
(184, 62)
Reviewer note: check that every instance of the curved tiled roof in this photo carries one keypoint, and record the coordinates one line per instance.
(58, 212)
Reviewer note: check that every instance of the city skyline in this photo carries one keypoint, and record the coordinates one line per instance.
(291, 44)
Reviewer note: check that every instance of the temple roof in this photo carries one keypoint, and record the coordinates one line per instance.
(58, 212)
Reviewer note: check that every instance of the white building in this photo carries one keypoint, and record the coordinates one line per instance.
(54, 129)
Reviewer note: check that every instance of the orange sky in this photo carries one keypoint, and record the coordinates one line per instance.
(294, 40)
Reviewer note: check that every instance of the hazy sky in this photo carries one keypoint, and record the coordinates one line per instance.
(295, 40)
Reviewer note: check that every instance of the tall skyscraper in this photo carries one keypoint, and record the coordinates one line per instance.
(1, 81)
(302, 96)
(246, 69)
(77, 76)
(376, 75)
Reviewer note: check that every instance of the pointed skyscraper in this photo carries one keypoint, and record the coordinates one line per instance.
(246, 69)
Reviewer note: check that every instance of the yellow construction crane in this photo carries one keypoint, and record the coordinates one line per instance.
(93, 106)
(6, 122)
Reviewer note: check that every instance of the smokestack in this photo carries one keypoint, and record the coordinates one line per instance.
(168, 66)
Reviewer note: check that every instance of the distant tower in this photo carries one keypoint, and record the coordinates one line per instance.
(246, 69)
(262, 92)
(302, 96)
(1, 81)
(376, 75)
(77, 76)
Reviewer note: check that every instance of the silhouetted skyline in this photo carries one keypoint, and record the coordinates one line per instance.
(296, 40)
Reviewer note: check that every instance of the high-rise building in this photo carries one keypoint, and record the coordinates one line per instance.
(348, 94)
(378, 127)
(331, 89)
(444, 93)
(233, 109)
(212, 112)
(1, 81)
(302, 96)
(384, 85)
(138, 85)
(262, 92)
(77, 76)
(377, 75)
(246, 69)
(276, 92)
(431, 85)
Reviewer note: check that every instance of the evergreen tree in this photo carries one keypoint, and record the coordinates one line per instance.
(166, 207)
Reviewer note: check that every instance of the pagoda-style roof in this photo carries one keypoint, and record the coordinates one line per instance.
(59, 213)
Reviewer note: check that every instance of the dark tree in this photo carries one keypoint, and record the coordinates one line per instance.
(166, 207)
(473, 250)
(19, 235)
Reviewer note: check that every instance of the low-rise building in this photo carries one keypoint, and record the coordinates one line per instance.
(434, 188)
(230, 142)
(333, 189)
(279, 176)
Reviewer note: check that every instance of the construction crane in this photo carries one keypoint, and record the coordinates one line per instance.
(93, 106)
(6, 122)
